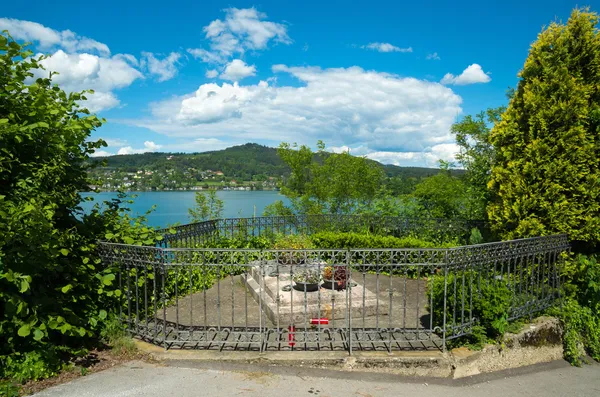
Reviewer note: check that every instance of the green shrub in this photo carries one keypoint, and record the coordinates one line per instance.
(293, 242)
(349, 240)
(488, 301)
(580, 314)
(54, 292)
(581, 327)
(115, 336)
(475, 237)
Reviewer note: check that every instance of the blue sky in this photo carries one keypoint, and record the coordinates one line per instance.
(384, 79)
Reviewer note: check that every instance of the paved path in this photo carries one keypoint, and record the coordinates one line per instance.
(198, 379)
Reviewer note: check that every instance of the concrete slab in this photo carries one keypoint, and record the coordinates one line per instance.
(285, 304)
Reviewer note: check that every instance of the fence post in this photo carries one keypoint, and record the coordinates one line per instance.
(164, 297)
(446, 266)
(348, 301)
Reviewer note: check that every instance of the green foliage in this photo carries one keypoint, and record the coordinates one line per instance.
(277, 208)
(55, 295)
(477, 156)
(114, 335)
(327, 182)
(52, 291)
(386, 204)
(208, 207)
(349, 240)
(443, 196)
(35, 365)
(580, 313)
(475, 237)
(9, 389)
(293, 242)
(581, 336)
(546, 176)
(487, 300)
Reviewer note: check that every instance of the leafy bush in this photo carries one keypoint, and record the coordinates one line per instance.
(293, 242)
(476, 237)
(207, 207)
(333, 240)
(580, 313)
(114, 335)
(53, 293)
(488, 301)
(581, 331)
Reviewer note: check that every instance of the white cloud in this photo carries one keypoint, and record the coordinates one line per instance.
(471, 75)
(48, 38)
(101, 153)
(82, 63)
(115, 142)
(149, 146)
(237, 70)
(241, 31)
(385, 47)
(128, 58)
(86, 71)
(376, 112)
(206, 56)
(211, 74)
(165, 69)
(429, 157)
(100, 101)
(199, 145)
(433, 57)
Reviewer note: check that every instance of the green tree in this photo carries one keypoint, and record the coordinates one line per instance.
(208, 206)
(546, 177)
(477, 157)
(442, 195)
(325, 182)
(52, 290)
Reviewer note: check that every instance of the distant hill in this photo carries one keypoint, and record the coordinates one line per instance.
(241, 162)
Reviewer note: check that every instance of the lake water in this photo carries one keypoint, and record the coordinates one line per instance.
(172, 207)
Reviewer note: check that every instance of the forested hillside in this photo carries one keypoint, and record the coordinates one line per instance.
(245, 162)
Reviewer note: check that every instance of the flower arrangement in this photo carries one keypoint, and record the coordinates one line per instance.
(307, 277)
(307, 280)
(337, 276)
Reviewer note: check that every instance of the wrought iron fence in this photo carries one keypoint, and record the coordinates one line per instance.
(357, 299)
(435, 229)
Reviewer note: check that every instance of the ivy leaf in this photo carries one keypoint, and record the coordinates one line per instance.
(66, 288)
(64, 251)
(107, 279)
(102, 314)
(38, 335)
(24, 285)
(24, 331)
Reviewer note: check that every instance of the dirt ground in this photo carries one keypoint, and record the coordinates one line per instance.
(229, 303)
